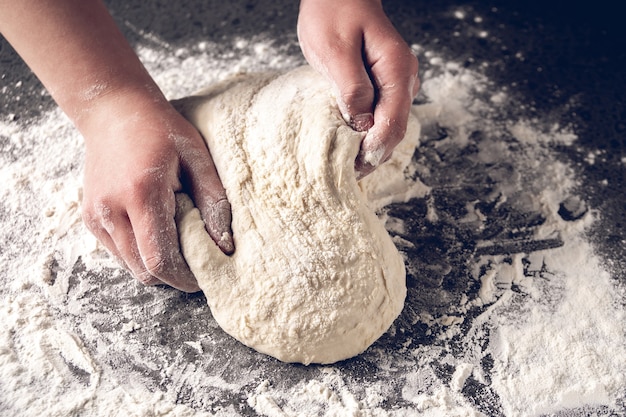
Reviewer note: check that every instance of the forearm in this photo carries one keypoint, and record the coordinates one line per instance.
(76, 50)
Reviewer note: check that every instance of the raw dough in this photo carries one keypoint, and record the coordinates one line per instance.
(315, 277)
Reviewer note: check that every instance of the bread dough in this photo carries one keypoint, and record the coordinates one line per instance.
(315, 277)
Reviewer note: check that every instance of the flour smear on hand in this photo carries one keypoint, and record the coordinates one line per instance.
(538, 326)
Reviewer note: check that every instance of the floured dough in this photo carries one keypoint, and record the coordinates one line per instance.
(315, 277)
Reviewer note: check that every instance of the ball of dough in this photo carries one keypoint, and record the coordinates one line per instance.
(315, 277)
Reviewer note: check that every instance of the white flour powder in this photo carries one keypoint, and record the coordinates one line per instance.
(538, 331)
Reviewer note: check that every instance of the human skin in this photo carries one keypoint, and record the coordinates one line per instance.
(373, 71)
(139, 151)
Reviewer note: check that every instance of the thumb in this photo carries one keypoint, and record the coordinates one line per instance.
(209, 195)
(198, 247)
(343, 66)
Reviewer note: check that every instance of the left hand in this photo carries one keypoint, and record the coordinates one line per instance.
(374, 72)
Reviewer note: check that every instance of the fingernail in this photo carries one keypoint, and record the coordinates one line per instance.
(226, 243)
(362, 122)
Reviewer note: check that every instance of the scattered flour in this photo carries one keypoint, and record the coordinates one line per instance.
(540, 329)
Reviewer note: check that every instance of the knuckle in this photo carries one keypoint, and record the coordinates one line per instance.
(90, 220)
(336, 47)
(98, 215)
(155, 265)
(219, 215)
(402, 64)
(142, 186)
(357, 94)
(149, 189)
(412, 63)
(221, 204)
(146, 278)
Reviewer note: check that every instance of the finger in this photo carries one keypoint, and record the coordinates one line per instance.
(396, 81)
(99, 223)
(115, 231)
(343, 65)
(355, 92)
(157, 242)
(388, 130)
(210, 197)
(218, 218)
(126, 243)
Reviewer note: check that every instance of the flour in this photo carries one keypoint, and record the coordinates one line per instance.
(532, 323)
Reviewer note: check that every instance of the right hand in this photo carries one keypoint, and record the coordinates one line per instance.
(374, 72)
(138, 154)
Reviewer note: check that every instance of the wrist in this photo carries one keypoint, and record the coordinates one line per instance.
(108, 88)
(106, 105)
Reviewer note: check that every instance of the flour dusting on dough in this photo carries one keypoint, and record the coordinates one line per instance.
(316, 277)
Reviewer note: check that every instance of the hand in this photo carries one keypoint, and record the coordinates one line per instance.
(374, 72)
(139, 150)
(138, 154)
